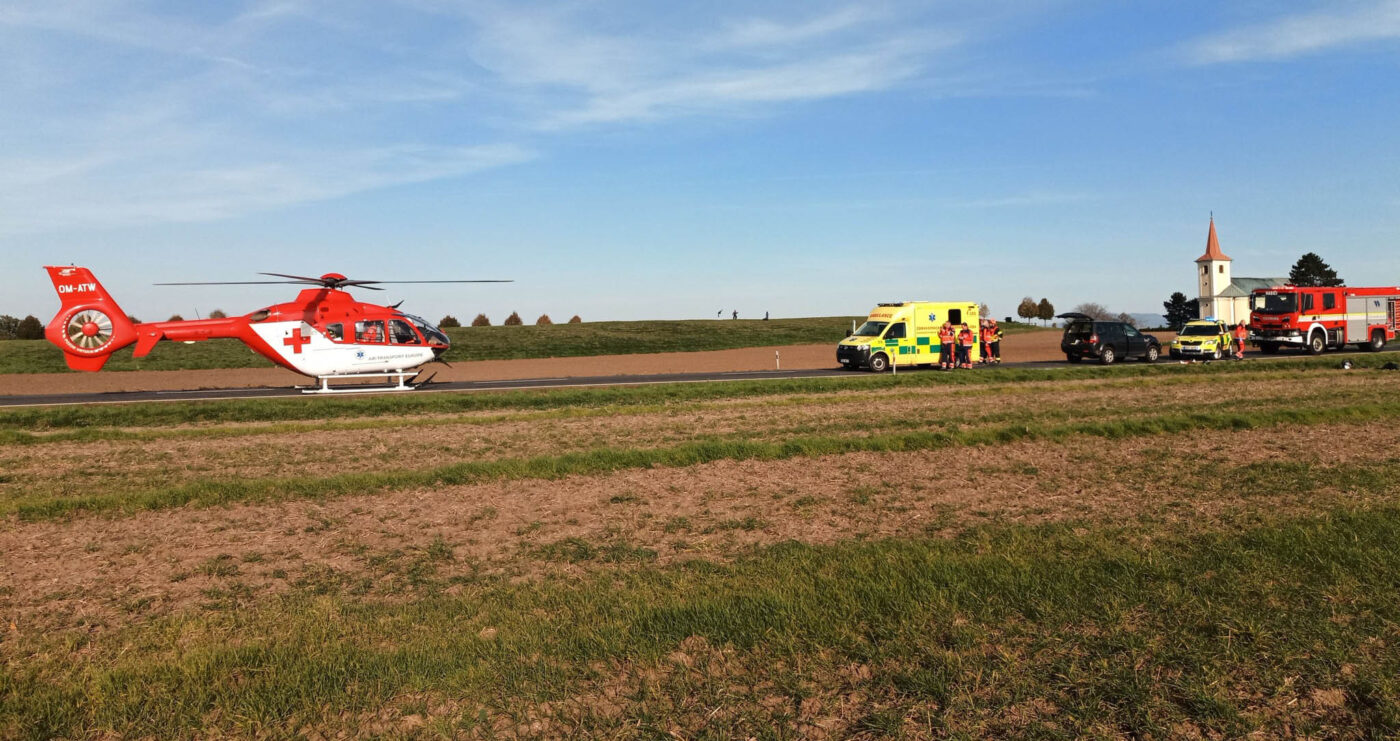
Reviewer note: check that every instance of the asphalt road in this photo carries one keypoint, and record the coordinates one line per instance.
(128, 397)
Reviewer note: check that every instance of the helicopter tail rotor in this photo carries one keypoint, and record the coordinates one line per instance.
(89, 326)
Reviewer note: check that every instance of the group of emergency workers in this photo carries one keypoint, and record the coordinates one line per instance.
(955, 344)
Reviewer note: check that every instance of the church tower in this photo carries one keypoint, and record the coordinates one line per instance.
(1213, 277)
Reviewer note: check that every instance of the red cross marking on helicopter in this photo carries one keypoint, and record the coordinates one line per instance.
(296, 340)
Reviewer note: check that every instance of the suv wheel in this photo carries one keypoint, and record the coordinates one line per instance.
(1107, 355)
(1153, 352)
(879, 363)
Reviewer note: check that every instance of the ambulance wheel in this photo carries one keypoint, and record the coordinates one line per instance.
(1107, 355)
(1268, 348)
(1216, 355)
(1377, 342)
(879, 363)
(1152, 354)
(1317, 343)
(1073, 358)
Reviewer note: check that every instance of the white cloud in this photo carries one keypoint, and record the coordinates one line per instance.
(207, 112)
(1340, 25)
(708, 92)
(765, 32)
(102, 193)
(585, 76)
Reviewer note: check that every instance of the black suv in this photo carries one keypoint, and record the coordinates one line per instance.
(1105, 340)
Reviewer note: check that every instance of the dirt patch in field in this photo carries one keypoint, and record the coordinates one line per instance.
(124, 465)
(103, 572)
(1027, 346)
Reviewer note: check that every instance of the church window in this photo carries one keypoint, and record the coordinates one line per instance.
(1222, 269)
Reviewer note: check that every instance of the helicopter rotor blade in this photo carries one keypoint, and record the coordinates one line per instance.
(317, 281)
(237, 283)
(334, 283)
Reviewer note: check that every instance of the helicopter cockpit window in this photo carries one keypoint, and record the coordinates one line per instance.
(369, 331)
(431, 333)
(402, 333)
(336, 332)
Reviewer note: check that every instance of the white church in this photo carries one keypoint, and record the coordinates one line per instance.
(1223, 296)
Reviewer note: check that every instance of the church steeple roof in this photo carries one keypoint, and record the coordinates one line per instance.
(1212, 246)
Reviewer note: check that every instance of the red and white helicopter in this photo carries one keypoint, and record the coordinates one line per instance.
(324, 333)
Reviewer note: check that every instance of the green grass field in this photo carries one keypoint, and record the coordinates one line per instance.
(484, 343)
(1093, 552)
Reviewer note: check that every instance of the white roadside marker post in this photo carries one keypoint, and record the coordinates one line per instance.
(777, 360)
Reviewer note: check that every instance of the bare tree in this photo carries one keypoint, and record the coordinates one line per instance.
(1097, 311)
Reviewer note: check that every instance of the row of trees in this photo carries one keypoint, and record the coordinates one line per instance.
(513, 320)
(28, 328)
(1030, 309)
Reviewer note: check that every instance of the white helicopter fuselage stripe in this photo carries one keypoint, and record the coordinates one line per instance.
(315, 354)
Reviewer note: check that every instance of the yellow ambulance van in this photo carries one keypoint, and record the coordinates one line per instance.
(906, 334)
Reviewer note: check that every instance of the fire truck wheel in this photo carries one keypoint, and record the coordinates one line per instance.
(879, 363)
(1107, 355)
(1317, 342)
(1377, 342)
(1268, 348)
(1152, 354)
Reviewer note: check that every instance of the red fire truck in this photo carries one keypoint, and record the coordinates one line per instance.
(1316, 319)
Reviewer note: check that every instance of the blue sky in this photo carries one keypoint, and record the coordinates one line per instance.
(628, 160)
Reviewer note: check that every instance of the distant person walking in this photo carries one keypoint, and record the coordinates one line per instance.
(1241, 334)
(946, 338)
(736, 313)
(765, 316)
(966, 339)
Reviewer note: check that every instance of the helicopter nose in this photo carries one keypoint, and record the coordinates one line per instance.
(438, 350)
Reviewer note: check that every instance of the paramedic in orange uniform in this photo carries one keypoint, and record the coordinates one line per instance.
(965, 342)
(946, 338)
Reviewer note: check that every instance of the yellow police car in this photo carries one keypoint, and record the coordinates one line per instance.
(1208, 339)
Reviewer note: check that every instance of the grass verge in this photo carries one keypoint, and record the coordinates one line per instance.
(1287, 628)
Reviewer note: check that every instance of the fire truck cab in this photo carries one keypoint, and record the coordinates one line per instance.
(1318, 318)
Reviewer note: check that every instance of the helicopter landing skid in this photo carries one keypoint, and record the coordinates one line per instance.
(400, 379)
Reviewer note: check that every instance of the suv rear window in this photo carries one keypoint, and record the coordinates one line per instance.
(1079, 328)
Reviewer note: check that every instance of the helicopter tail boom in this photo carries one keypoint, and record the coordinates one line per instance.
(89, 326)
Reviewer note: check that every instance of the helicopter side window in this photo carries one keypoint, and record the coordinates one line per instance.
(370, 332)
(402, 333)
(336, 332)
